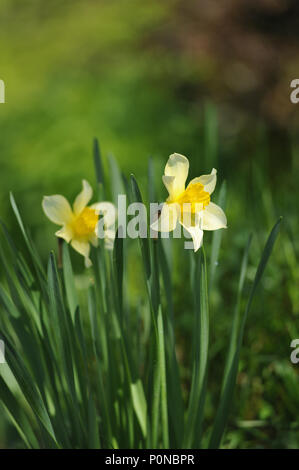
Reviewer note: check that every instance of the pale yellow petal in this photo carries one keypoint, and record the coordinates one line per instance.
(66, 232)
(213, 217)
(196, 233)
(208, 181)
(168, 218)
(83, 197)
(189, 218)
(83, 248)
(94, 239)
(193, 224)
(168, 183)
(57, 209)
(177, 166)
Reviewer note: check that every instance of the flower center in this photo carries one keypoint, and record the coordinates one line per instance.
(194, 195)
(86, 222)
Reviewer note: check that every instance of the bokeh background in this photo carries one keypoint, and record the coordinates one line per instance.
(210, 80)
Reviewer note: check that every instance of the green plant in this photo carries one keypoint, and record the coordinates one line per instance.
(99, 370)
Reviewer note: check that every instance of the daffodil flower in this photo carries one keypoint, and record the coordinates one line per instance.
(80, 223)
(191, 206)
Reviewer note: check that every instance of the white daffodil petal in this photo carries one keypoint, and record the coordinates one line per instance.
(208, 181)
(193, 224)
(94, 240)
(190, 219)
(177, 166)
(57, 209)
(107, 210)
(84, 249)
(168, 218)
(83, 197)
(196, 233)
(213, 217)
(168, 183)
(65, 232)
(81, 247)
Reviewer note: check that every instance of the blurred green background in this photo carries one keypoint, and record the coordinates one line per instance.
(148, 79)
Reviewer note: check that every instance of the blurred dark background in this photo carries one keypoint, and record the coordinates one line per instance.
(210, 80)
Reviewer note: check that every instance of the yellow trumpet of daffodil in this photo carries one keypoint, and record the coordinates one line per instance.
(80, 223)
(191, 206)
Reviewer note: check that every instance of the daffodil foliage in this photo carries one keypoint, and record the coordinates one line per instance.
(91, 360)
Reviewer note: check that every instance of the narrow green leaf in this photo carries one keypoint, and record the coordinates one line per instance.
(98, 162)
(117, 185)
(69, 282)
(144, 242)
(229, 385)
(155, 411)
(162, 366)
(217, 237)
(100, 348)
(175, 399)
(118, 259)
(16, 413)
(140, 405)
(154, 281)
(200, 360)
(28, 388)
(100, 177)
(236, 319)
(25, 234)
(151, 181)
(93, 432)
(61, 327)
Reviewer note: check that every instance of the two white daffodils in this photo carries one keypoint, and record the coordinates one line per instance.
(191, 206)
(80, 222)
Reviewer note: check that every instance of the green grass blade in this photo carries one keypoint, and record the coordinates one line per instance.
(175, 399)
(117, 185)
(99, 171)
(93, 431)
(62, 325)
(144, 242)
(217, 237)
(118, 260)
(201, 346)
(151, 180)
(236, 319)
(26, 384)
(69, 282)
(17, 415)
(229, 385)
(98, 162)
(25, 235)
(140, 405)
(162, 366)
